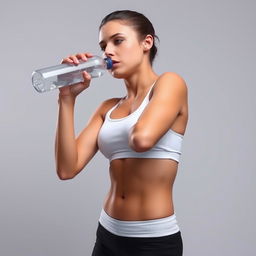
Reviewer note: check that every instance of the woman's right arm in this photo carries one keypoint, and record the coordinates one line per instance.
(71, 153)
(65, 145)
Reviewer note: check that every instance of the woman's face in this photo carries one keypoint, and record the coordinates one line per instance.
(119, 41)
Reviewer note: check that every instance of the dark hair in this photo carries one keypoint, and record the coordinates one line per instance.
(141, 24)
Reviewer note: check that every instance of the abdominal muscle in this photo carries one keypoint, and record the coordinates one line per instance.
(141, 188)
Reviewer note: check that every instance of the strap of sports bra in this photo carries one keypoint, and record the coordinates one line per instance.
(150, 89)
(141, 105)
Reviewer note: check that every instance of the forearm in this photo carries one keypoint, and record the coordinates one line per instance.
(65, 143)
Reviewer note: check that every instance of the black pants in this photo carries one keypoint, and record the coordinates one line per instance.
(108, 244)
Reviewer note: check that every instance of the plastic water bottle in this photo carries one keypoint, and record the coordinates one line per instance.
(50, 78)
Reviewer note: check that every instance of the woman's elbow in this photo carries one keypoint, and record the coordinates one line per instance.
(63, 175)
(140, 143)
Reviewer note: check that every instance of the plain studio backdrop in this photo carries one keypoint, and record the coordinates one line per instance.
(211, 44)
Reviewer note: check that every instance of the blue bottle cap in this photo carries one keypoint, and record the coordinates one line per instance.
(109, 62)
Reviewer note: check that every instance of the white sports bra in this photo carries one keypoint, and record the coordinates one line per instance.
(113, 138)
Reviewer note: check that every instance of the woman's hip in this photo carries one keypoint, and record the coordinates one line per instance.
(111, 244)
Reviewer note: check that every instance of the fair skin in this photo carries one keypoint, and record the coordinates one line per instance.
(141, 189)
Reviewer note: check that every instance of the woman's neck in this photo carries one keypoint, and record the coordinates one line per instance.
(139, 82)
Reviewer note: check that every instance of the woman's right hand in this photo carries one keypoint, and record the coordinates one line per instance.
(75, 89)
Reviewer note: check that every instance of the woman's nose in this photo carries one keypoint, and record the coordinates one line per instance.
(109, 51)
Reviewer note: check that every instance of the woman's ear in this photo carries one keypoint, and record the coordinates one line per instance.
(148, 42)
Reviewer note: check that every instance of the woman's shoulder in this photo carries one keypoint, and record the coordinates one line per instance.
(107, 104)
(171, 76)
(169, 81)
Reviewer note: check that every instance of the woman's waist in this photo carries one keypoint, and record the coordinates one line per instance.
(139, 228)
(139, 207)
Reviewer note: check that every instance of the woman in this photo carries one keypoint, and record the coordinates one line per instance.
(141, 135)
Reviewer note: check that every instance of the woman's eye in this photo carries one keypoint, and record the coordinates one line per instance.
(118, 41)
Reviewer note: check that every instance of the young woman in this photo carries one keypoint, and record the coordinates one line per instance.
(141, 134)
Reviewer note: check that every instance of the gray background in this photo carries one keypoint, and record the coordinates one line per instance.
(211, 44)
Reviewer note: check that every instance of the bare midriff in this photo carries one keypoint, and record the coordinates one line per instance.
(141, 188)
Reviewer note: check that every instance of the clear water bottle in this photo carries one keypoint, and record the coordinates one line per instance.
(50, 78)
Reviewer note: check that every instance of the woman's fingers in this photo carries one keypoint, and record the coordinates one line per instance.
(74, 59)
(88, 54)
(84, 56)
(77, 88)
(86, 76)
(67, 60)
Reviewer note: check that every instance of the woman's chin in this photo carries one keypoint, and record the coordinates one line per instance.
(116, 74)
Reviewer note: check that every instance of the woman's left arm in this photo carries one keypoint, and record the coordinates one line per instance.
(170, 94)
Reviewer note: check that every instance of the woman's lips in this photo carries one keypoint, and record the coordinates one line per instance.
(115, 63)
